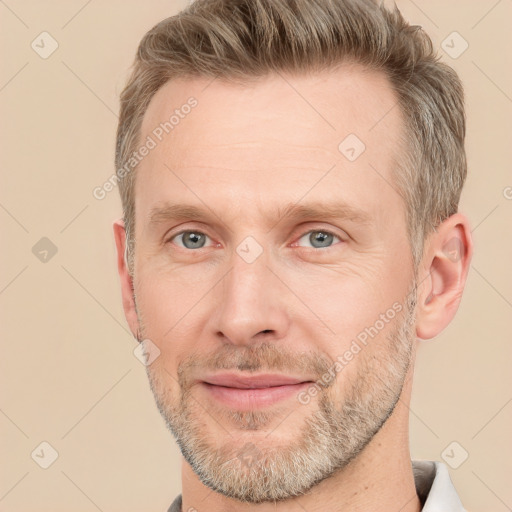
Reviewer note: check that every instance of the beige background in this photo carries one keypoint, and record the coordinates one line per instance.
(68, 373)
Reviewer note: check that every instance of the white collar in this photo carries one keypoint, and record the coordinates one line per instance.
(435, 488)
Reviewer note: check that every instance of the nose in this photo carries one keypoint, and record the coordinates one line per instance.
(251, 304)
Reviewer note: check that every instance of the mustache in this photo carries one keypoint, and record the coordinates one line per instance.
(255, 358)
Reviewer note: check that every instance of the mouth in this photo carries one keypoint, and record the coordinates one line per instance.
(251, 392)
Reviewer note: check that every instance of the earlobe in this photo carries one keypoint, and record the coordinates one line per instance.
(127, 289)
(447, 257)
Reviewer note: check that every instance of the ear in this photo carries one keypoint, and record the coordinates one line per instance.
(126, 280)
(444, 270)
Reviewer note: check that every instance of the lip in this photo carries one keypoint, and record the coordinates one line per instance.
(266, 380)
(251, 392)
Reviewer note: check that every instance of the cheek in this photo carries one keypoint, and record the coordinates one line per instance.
(354, 314)
(167, 307)
(348, 298)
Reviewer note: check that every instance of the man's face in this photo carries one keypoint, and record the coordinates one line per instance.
(295, 258)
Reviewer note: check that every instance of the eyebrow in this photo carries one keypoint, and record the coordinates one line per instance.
(318, 210)
(325, 211)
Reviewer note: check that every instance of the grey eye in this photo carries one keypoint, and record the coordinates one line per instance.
(319, 239)
(192, 239)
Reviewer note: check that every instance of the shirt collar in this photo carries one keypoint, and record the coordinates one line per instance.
(435, 488)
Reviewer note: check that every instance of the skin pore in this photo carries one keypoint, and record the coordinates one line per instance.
(228, 277)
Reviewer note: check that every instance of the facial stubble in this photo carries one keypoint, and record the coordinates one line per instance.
(256, 470)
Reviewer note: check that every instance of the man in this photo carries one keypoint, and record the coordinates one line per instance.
(290, 173)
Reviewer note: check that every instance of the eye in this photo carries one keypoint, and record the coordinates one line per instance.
(190, 239)
(319, 238)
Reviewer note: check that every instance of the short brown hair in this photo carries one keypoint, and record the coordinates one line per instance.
(243, 39)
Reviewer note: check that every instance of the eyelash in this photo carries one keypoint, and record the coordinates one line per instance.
(325, 231)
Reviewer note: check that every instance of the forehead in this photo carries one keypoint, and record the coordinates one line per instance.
(331, 102)
(280, 129)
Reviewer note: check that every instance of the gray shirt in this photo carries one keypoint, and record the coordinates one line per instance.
(433, 485)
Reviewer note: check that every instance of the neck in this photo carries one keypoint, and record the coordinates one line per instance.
(380, 478)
